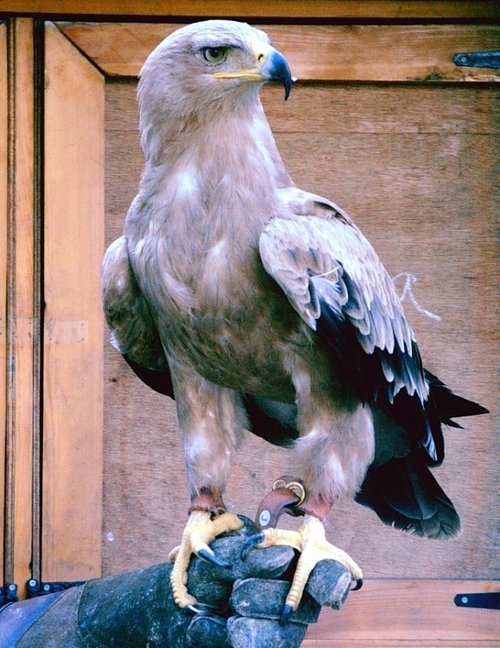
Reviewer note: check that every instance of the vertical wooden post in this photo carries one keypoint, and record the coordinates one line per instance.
(21, 326)
(3, 275)
(73, 322)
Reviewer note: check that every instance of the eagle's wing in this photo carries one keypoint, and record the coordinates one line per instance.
(133, 330)
(335, 281)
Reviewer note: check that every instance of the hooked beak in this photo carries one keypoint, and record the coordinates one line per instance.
(276, 68)
(270, 65)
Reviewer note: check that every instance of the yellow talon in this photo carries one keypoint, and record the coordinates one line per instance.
(310, 540)
(198, 532)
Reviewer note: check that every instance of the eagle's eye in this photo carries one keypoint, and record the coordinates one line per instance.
(214, 55)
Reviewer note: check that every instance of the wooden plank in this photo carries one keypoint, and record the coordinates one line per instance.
(334, 52)
(3, 273)
(294, 9)
(415, 167)
(340, 109)
(320, 107)
(21, 326)
(73, 409)
(408, 613)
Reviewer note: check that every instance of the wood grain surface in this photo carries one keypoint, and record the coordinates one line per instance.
(286, 9)
(21, 328)
(316, 52)
(414, 165)
(3, 272)
(73, 383)
(398, 614)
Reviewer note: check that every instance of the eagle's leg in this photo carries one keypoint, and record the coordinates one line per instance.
(311, 542)
(335, 447)
(212, 420)
(207, 519)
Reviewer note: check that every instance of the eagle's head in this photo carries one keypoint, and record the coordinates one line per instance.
(206, 68)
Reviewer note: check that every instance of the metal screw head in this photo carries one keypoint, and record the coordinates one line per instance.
(465, 600)
(264, 518)
(11, 587)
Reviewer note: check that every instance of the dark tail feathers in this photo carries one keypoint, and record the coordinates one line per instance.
(403, 491)
(404, 494)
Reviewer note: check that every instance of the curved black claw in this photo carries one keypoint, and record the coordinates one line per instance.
(250, 543)
(358, 586)
(285, 615)
(210, 557)
(203, 608)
